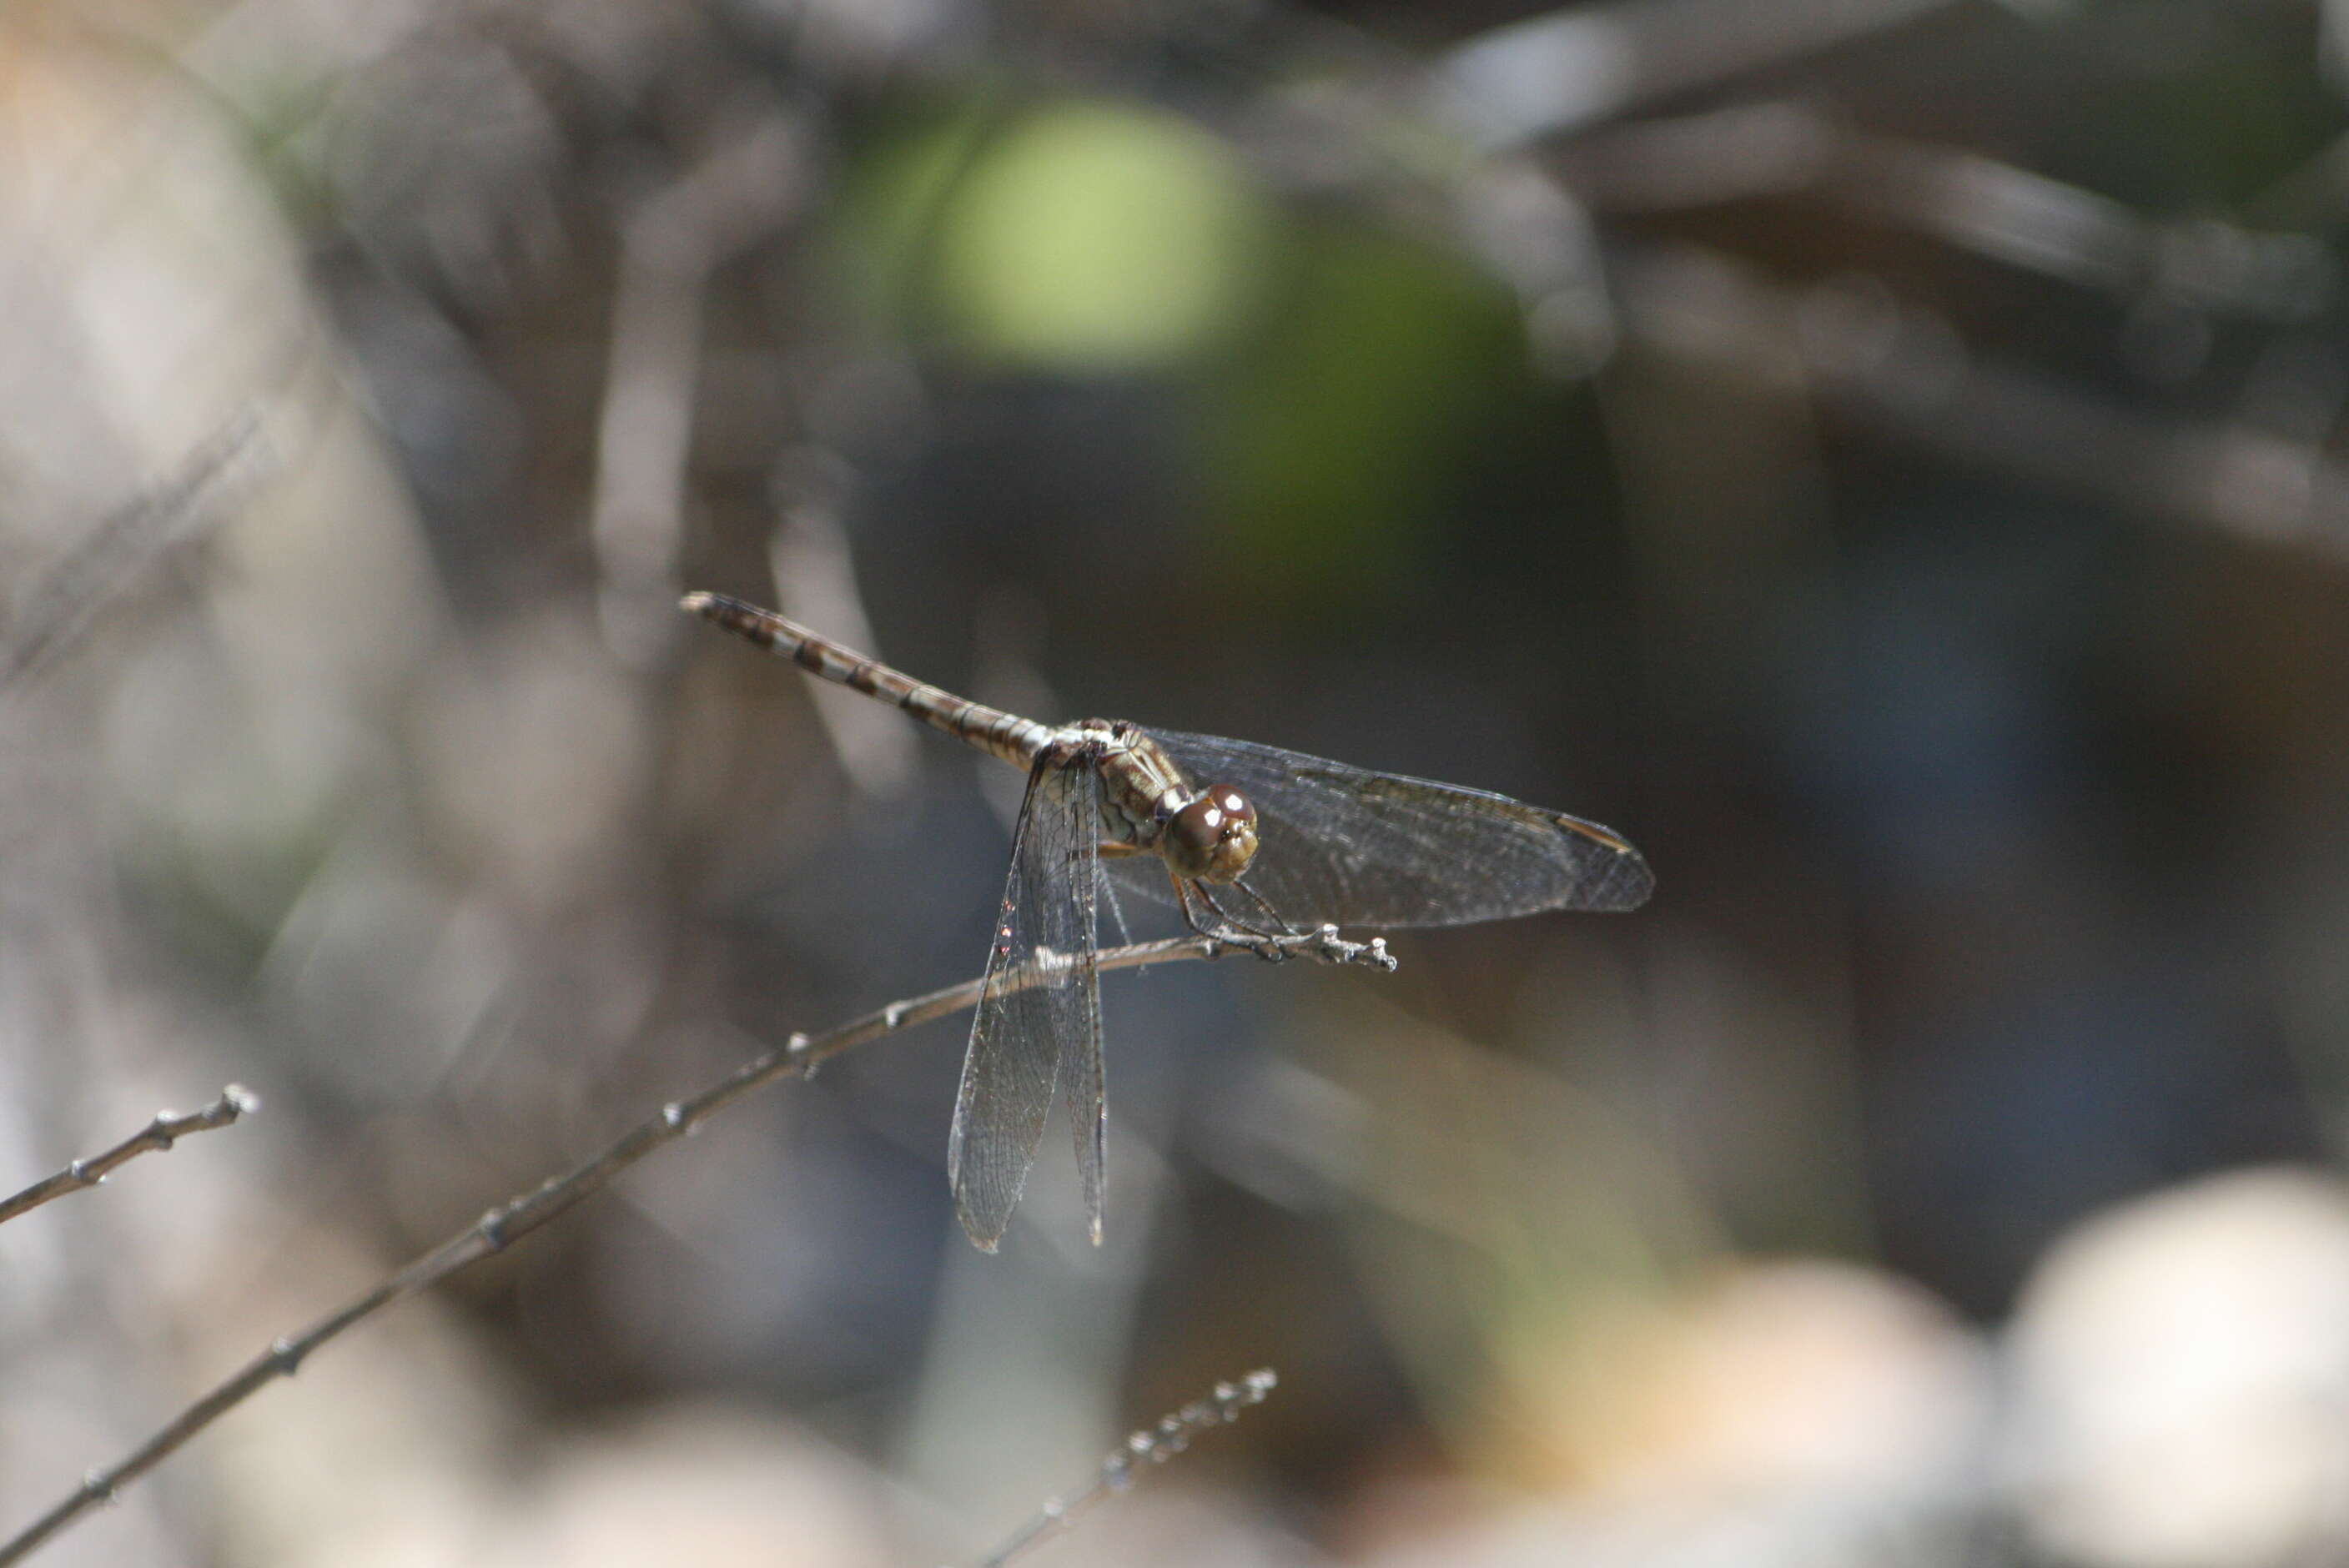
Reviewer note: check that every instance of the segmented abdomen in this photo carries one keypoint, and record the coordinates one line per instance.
(1015, 740)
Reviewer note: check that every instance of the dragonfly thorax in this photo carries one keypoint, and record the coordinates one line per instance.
(1149, 805)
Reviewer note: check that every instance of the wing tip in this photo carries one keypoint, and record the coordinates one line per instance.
(1626, 881)
(1631, 884)
(985, 1231)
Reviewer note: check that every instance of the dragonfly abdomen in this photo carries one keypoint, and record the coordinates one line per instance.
(999, 733)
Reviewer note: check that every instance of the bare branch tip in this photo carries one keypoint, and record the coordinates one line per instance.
(1149, 1445)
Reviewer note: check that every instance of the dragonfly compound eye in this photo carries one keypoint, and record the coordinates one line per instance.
(1213, 839)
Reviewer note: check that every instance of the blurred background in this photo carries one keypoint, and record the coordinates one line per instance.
(1884, 456)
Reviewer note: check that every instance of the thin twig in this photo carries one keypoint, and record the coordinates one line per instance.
(50, 614)
(517, 1217)
(154, 1138)
(1150, 1445)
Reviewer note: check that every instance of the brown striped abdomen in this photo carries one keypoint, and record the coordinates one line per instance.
(999, 733)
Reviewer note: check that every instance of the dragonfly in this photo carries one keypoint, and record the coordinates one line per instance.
(1252, 843)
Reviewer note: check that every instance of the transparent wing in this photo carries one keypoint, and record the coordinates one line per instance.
(1345, 846)
(1083, 1090)
(1039, 1015)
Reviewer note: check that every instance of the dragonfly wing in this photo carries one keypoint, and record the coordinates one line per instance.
(1038, 1017)
(1350, 847)
(1078, 1015)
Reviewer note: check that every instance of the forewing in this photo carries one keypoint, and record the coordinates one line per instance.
(1345, 846)
(1039, 1015)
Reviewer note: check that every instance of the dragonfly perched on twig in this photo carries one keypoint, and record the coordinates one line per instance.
(1257, 847)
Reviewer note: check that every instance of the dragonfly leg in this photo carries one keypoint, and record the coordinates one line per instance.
(1266, 906)
(1182, 897)
(1225, 928)
(1265, 943)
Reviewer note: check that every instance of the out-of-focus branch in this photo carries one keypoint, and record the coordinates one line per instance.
(517, 1217)
(49, 615)
(667, 250)
(1150, 1445)
(1903, 371)
(154, 1138)
(1993, 209)
(1575, 68)
(808, 559)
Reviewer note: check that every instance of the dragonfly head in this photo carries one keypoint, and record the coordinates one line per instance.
(1213, 839)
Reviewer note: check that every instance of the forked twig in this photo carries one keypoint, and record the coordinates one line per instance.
(517, 1217)
(157, 1135)
(1150, 1445)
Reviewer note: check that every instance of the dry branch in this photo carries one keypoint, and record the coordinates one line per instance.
(1150, 1445)
(520, 1215)
(158, 1135)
